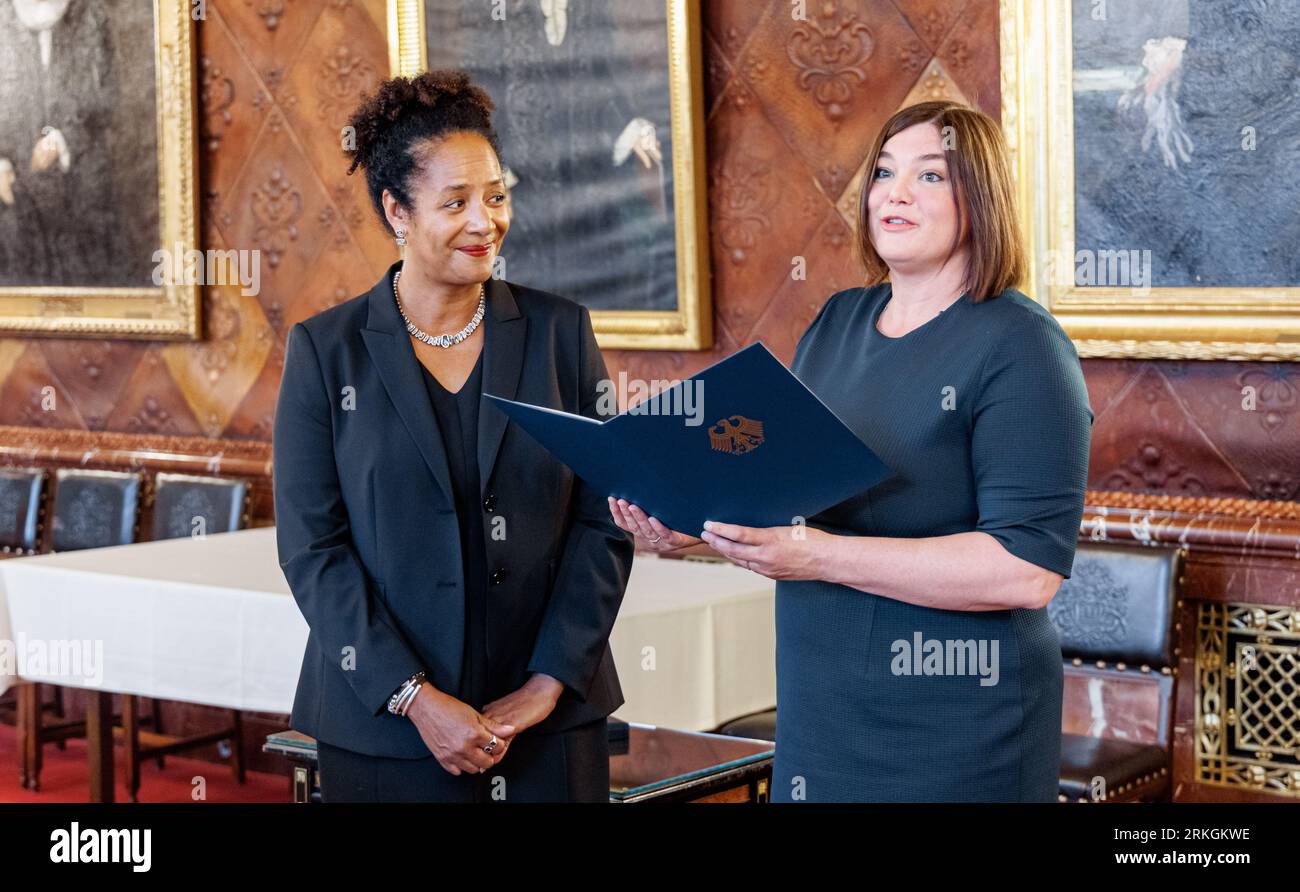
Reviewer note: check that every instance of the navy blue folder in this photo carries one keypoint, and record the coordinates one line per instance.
(763, 450)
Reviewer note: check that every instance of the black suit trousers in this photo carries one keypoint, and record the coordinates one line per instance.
(562, 766)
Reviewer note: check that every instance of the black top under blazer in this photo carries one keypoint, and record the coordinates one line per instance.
(367, 529)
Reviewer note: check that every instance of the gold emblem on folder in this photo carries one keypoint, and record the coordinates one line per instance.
(736, 435)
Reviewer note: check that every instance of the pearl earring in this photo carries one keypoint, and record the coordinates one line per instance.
(401, 238)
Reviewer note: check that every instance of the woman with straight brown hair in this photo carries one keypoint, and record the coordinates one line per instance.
(915, 657)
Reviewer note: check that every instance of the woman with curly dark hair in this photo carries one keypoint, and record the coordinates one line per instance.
(459, 583)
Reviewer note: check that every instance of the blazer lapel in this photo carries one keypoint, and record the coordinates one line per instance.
(400, 371)
(503, 359)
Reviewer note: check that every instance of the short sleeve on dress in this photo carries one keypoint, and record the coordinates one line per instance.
(1031, 431)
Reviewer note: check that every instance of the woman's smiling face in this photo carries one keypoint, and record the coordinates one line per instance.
(911, 208)
(461, 210)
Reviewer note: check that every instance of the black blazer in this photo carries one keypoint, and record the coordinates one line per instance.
(367, 530)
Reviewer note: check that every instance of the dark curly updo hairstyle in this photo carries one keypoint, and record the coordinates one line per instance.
(406, 111)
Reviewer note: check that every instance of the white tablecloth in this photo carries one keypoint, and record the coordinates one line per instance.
(695, 644)
(212, 621)
(204, 620)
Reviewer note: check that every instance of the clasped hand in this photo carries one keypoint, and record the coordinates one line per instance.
(456, 733)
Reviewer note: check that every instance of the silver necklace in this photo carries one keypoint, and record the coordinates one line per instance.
(442, 340)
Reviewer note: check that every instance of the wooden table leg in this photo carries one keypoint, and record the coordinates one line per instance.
(28, 697)
(99, 744)
(131, 737)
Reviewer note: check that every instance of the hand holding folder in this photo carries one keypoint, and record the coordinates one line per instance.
(747, 444)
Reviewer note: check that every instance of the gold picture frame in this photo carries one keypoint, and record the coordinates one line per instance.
(169, 311)
(1214, 322)
(690, 325)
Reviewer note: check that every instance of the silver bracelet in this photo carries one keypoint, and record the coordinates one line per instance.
(408, 695)
(401, 701)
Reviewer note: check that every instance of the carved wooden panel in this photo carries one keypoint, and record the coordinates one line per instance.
(148, 453)
(275, 81)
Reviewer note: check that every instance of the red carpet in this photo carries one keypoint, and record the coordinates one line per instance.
(64, 778)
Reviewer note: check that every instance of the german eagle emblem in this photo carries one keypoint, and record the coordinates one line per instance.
(736, 435)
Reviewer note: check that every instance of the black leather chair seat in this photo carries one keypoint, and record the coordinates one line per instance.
(181, 499)
(22, 506)
(94, 509)
(1127, 767)
(759, 726)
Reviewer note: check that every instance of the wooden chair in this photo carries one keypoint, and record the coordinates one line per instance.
(1117, 618)
(23, 493)
(22, 510)
(92, 509)
(186, 505)
(756, 726)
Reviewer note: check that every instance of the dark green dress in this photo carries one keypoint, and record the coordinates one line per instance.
(983, 415)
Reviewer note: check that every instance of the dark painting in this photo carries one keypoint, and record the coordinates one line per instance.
(78, 143)
(1187, 137)
(583, 111)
